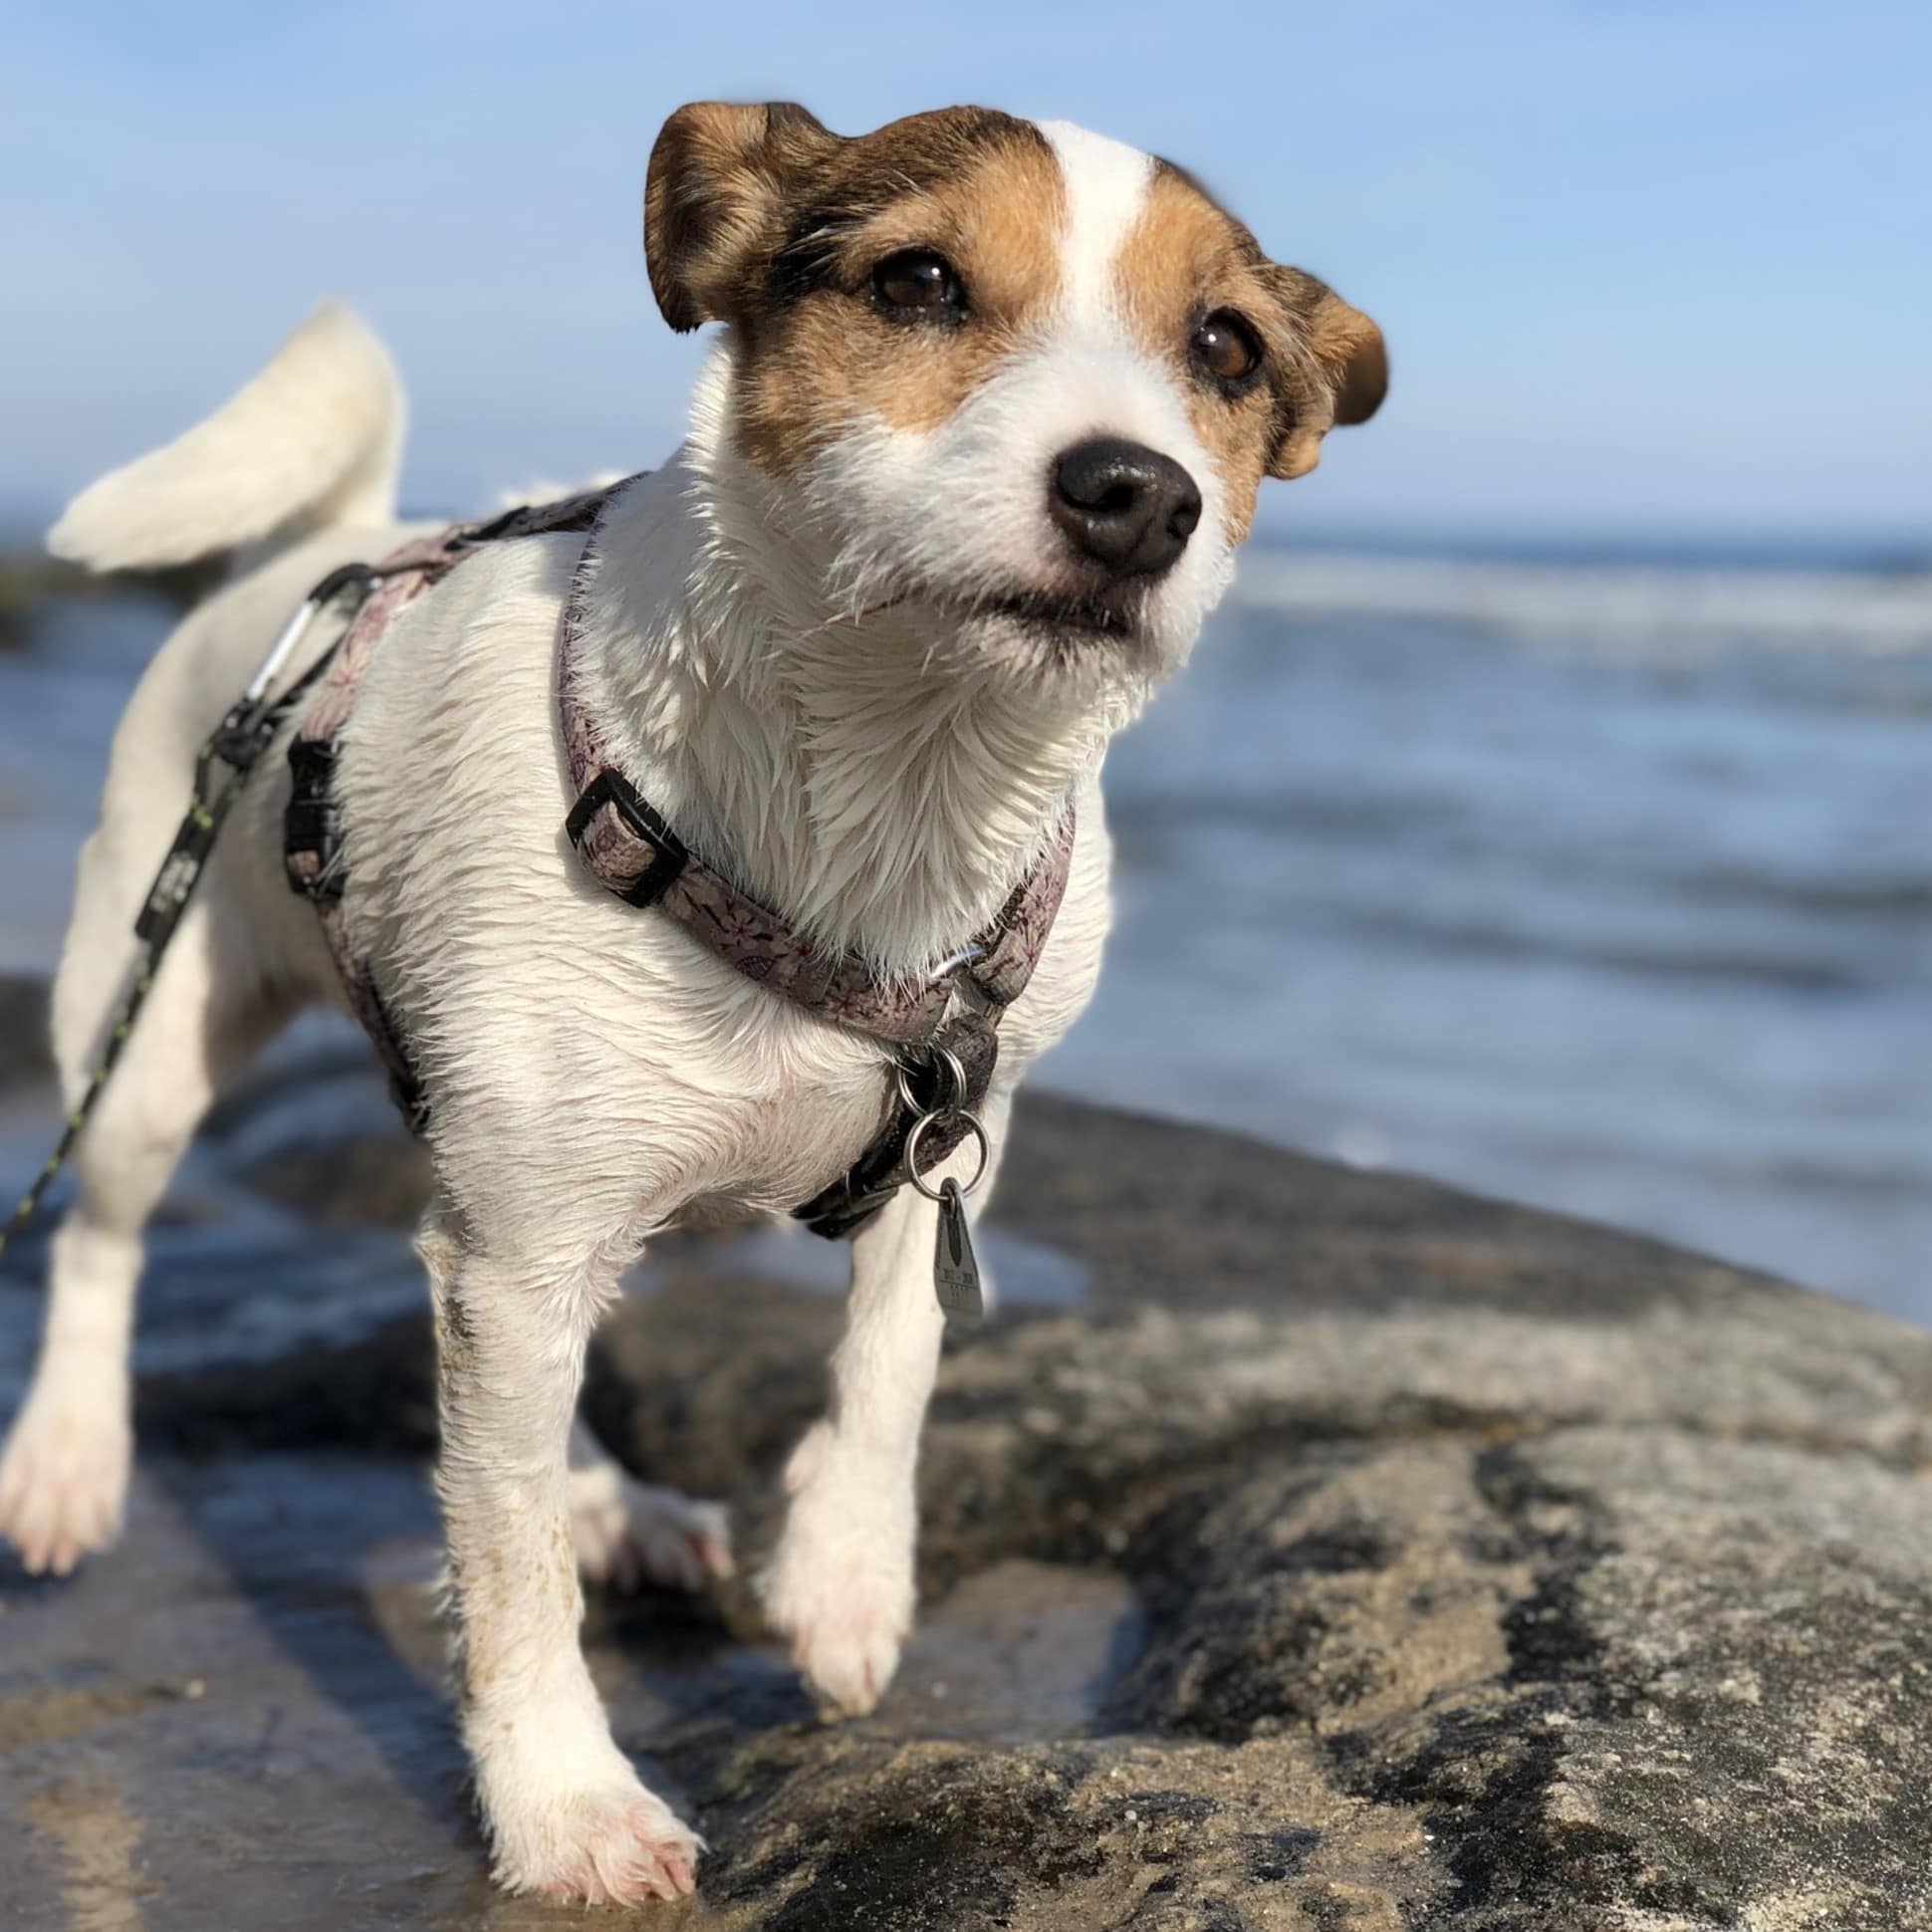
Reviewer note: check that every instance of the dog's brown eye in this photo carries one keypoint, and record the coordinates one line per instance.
(1227, 348)
(917, 281)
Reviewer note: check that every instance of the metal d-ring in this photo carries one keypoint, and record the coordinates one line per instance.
(971, 1122)
(914, 1105)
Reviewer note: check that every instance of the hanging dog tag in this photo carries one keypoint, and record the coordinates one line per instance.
(955, 1274)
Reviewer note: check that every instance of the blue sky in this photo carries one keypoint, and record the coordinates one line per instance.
(1649, 267)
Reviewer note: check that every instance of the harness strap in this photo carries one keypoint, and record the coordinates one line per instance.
(950, 1018)
(947, 1021)
(626, 847)
(312, 830)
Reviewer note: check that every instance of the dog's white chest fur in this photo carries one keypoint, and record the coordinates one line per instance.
(532, 998)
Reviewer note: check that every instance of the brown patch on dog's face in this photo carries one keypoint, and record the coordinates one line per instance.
(1188, 265)
(1350, 366)
(1183, 261)
(943, 333)
(782, 230)
(761, 217)
(717, 175)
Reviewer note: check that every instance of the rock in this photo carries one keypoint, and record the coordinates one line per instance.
(1357, 1557)
(24, 1053)
(379, 1177)
(31, 581)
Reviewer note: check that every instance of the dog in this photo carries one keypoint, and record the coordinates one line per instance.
(967, 467)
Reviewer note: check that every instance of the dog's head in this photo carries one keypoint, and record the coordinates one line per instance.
(1013, 378)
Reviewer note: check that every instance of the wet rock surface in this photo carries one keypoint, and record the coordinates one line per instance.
(1349, 1556)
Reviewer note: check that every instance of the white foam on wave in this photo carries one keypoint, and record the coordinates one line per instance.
(1641, 609)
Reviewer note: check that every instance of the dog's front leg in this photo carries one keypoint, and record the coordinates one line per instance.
(841, 1586)
(565, 1813)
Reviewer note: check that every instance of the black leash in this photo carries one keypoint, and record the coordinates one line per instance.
(221, 769)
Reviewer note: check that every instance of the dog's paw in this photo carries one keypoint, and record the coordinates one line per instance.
(845, 1642)
(628, 1534)
(63, 1476)
(617, 1845)
(840, 1588)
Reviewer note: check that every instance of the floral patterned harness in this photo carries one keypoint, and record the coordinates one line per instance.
(943, 1031)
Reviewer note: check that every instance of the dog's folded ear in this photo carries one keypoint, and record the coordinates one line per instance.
(1350, 366)
(714, 201)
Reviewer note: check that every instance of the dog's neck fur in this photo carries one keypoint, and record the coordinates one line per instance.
(877, 784)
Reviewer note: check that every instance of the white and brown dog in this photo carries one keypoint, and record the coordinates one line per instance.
(967, 469)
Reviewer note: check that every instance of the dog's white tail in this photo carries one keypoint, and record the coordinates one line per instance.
(314, 439)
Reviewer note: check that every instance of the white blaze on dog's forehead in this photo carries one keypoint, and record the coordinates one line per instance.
(1106, 192)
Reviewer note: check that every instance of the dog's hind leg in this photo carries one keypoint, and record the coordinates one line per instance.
(628, 1534)
(64, 1473)
(841, 1586)
(567, 1814)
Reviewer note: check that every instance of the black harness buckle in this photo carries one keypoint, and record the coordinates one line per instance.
(612, 788)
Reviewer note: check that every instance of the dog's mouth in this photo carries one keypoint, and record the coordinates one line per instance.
(1064, 622)
(1062, 616)
(1059, 627)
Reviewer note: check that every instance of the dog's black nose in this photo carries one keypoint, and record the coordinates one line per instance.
(1124, 506)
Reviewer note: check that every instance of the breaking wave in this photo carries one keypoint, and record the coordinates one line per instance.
(1645, 608)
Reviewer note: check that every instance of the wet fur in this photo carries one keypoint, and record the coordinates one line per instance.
(837, 642)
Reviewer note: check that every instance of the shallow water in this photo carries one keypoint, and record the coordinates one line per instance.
(1602, 885)
(1552, 896)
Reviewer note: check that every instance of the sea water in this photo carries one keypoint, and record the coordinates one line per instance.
(1602, 883)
